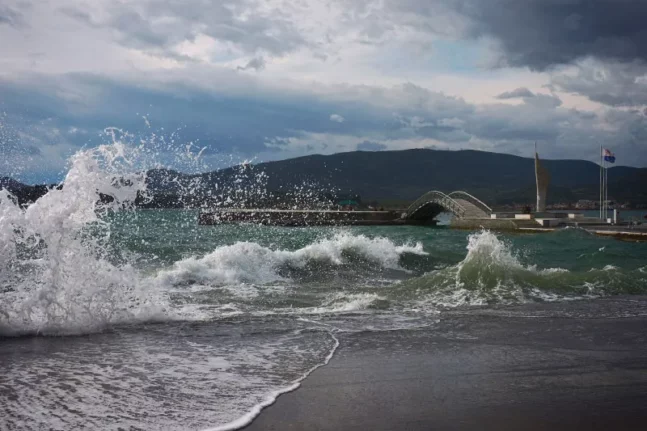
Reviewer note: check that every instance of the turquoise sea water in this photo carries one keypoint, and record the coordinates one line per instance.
(125, 319)
(415, 267)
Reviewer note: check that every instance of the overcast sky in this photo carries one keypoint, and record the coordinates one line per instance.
(272, 79)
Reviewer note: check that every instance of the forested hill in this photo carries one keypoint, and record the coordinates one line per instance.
(395, 175)
(405, 175)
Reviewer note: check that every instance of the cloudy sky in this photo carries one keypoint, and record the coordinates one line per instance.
(272, 79)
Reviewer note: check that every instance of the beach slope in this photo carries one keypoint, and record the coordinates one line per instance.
(567, 366)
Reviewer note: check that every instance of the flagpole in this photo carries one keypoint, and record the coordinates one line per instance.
(604, 188)
(606, 191)
(600, 207)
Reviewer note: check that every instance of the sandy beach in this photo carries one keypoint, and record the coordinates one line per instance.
(576, 366)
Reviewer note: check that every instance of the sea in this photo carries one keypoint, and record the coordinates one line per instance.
(113, 318)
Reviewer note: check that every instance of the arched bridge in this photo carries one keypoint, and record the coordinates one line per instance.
(462, 204)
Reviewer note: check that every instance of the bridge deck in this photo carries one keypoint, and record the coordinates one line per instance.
(460, 203)
(471, 210)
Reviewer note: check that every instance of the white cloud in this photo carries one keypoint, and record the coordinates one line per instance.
(337, 118)
(274, 77)
(451, 122)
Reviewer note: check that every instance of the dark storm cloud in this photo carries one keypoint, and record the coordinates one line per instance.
(539, 34)
(533, 33)
(160, 24)
(10, 16)
(434, 125)
(615, 84)
(245, 122)
(256, 63)
(543, 33)
(544, 100)
(518, 92)
(516, 124)
(532, 99)
(222, 122)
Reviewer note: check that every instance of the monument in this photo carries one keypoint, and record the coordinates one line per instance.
(543, 178)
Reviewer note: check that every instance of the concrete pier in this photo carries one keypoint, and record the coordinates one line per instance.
(274, 217)
(530, 225)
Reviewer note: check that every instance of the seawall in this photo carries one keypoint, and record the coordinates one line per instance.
(623, 232)
(307, 217)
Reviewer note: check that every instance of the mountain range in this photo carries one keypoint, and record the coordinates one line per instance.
(405, 175)
(389, 176)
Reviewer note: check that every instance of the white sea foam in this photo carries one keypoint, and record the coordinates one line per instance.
(483, 274)
(58, 280)
(270, 398)
(168, 378)
(342, 302)
(249, 262)
(490, 272)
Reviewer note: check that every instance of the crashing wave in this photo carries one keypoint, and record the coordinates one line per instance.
(57, 280)
(249, 262)
(492, 273)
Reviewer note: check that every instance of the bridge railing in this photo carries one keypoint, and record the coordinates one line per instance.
(436, 197)
(471, 199)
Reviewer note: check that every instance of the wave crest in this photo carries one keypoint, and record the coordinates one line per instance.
(55, 277)
(492, 273)
(249, 262)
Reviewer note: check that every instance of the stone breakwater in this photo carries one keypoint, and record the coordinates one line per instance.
(305, 217)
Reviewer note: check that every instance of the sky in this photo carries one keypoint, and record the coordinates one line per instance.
(226, 81)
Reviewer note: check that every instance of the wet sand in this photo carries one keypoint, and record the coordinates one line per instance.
(567, 366)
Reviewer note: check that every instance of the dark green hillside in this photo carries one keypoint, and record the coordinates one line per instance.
(395, 176)
(494, 177)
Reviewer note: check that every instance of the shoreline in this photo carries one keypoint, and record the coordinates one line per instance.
(622, 232)
(618, 232)
(246, 420)
(524, 367)
(305, 218)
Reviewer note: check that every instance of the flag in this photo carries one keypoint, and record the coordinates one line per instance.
(609, 156)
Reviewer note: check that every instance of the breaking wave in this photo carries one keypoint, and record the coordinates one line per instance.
(54, 275)
(249, 262)
(344, 303)
(63, 272)
(492, 273)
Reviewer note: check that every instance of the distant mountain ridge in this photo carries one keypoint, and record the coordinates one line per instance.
(404, 175)
(24, 193)
(407, 174)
